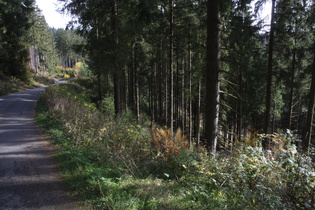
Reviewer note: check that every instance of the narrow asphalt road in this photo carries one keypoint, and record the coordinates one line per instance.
(29, 178)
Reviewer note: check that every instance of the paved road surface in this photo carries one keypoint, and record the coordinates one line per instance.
(28, 175)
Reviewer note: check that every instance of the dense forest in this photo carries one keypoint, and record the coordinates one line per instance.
(28, 45)
(200, 94)
(217, 79)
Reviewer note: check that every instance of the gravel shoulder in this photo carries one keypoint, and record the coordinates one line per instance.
(29, 178)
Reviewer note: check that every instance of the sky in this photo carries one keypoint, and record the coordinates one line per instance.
(53, 18)
(265, 12)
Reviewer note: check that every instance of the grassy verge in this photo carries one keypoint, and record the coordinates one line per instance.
(11, 85)
(123, 164)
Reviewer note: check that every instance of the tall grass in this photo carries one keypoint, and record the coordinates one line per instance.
(122, 164)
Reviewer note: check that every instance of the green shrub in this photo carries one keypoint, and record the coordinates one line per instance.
(122, 164)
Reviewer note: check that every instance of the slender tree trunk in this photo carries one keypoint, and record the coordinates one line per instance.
(166, 97)
(239, 109)
(183, 96)
(160, 104)
(123, 86)
(155, 98)
(171, 66)
(265, 142)
(212, 75)
(132, 83)
(190, 101)
(177, 94)
(137, 96)
(99, 84)
(274, 118)
(291, 90)
(118, 73)
(269, 73)
(306, 138)
(117, 98)
(160, 76)
(99, 77)
(300, 115)
(150, 87)
(199, 112)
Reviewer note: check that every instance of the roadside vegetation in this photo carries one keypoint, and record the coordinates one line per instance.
(122, 163)
(12, 84)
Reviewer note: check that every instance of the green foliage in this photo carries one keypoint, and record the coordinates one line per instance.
(44, 80)
(245, 181)
(14, 23)
(39, 38)
(69, 47)
(83, 69)
(12, 84)
(108, 107)
(121, 164)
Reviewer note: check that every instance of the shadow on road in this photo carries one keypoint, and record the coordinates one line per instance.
(29, 178)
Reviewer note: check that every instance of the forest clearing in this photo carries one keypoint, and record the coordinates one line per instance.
(177, 104)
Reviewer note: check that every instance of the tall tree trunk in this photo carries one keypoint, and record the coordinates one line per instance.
(166, 97)
(160, 76)
(171, 66)
(118, 73)
(300, 116)
(99, 85)
(291, 90)
(190, 100)
(198, 112)
(131, 92)
(117, 95)
(155, 98)
(183, 108)
(306, 138)
(212, 75)
(239, 105)
(99, 77)
(177, 93)
(265, 142)
(269, 73)
(123, 87)
(137, 95)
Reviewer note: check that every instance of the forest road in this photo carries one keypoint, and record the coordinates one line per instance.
(29, 178)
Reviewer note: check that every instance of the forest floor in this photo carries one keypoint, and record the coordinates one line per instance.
(29, 177)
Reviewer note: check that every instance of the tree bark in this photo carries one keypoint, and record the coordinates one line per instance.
(306, 138)
(212, 75)
(183, 109)
(171, 65)
(239, 114)
(190, 100)
(198, 113)
(291, 90)
(118, 73)
(131, 91)
(269, 73)
(265, 142)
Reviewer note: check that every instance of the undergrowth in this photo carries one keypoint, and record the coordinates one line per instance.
(11, 84)
(123, 164)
